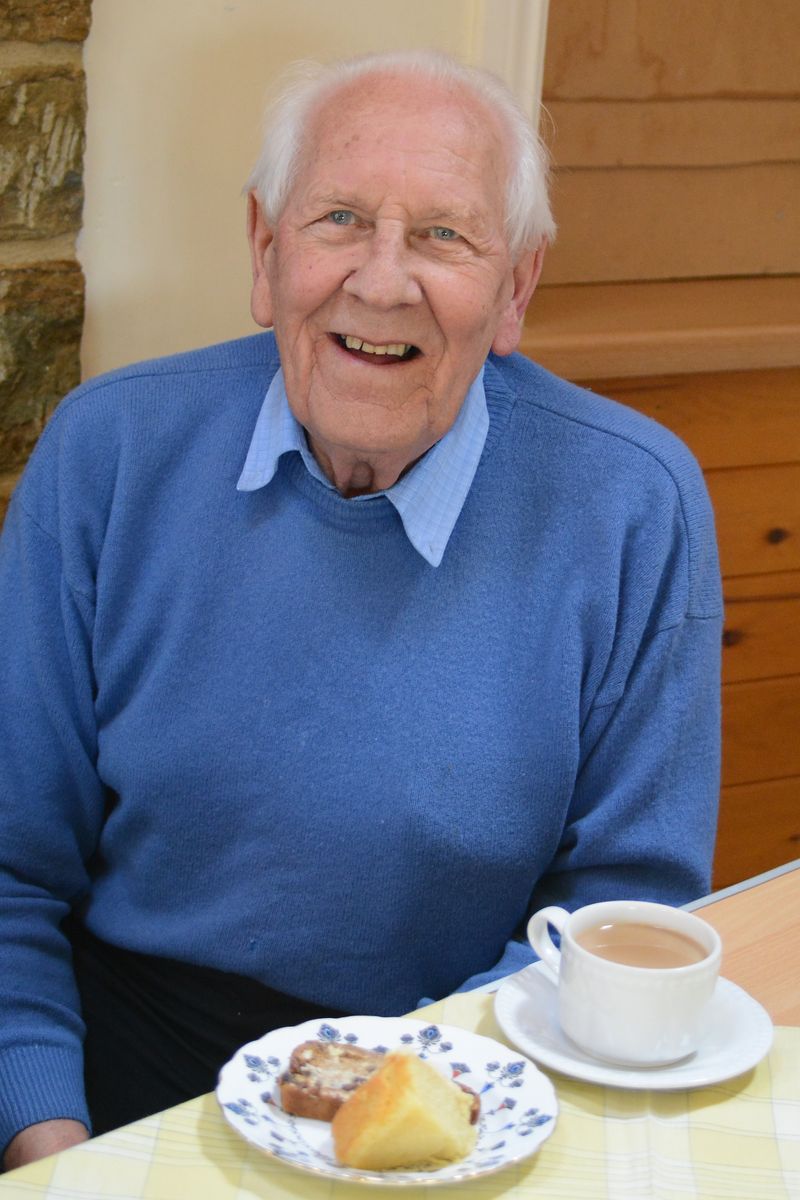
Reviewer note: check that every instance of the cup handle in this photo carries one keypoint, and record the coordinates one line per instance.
(540, 939)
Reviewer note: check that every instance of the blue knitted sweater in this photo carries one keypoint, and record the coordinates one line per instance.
(259, 732)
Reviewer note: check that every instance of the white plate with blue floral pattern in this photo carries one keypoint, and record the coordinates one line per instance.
(518, 1102)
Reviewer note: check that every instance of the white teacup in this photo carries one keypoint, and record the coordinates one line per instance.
(634, 978)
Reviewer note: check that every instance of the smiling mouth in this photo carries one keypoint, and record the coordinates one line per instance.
(380, 354)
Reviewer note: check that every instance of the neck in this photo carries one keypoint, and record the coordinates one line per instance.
(357, 474)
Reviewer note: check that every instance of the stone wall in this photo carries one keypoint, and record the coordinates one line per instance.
(42, 123)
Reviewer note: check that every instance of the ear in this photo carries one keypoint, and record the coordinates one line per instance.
(259, 235)
(526, 276)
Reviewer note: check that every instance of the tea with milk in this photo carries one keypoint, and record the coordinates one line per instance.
(638, 945)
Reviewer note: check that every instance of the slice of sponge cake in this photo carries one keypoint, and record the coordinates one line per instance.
(405, 1115)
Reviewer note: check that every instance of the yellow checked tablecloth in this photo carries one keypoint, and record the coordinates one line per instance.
(738, 1139)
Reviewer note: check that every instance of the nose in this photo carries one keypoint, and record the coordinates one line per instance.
(383, 276)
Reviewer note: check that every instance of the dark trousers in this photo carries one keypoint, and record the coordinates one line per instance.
(158, 1031)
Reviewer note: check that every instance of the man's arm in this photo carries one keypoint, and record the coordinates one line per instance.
(46, 1137)
(642, 820)
(642, 817)
(51, 807)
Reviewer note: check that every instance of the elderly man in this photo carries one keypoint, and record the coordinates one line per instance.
(330, 653)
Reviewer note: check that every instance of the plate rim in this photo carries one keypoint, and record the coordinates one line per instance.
(629, 1078)
(388, 1179)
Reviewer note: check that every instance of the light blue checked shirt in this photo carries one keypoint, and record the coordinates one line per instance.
(428, 498)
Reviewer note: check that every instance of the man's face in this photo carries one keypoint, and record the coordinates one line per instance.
(388, 278)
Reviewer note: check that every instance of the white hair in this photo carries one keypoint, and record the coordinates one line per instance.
(529, 221)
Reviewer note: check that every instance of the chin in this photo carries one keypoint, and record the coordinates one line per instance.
(374, 429)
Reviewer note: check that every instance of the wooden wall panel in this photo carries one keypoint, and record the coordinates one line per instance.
(758, 518)
(728, 419)
(639, 49)
(761, 639)
(614, 330)
(759, 730)
(676, 137)
(677, 133)
(675, 129)
(759, 828)
(675, 223)
(744, 428)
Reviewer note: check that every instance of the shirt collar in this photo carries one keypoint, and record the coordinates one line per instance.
(428, 498)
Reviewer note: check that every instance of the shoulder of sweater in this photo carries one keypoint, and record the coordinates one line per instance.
(82, 438)
(647, 454)
(103, 403)
(241, 356)
(532, 388)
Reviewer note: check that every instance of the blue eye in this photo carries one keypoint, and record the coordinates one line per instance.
(341, 216)
(443, 234)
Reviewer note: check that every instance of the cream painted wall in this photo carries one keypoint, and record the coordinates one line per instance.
(176, 91)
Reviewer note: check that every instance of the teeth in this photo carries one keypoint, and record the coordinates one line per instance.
(396, 348)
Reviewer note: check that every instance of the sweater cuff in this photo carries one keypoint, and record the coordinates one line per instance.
(516, 956)
(40, 1083)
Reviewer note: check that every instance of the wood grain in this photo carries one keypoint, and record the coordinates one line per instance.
(676, 135)
(760, 931)
(759, 828)
(762, 620)
(671, 133)
(760, 731)
(758, 518)
(726, 418)
(644, 328)
(633, 49)
(675, 223)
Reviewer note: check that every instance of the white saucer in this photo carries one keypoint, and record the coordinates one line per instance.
(738, 1035)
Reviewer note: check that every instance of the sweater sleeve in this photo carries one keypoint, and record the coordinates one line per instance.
(643, 814)
(643, 817)
(51, 806)
(641, 820)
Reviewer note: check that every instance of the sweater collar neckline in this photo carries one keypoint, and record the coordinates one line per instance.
(428, 499)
